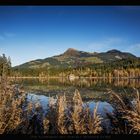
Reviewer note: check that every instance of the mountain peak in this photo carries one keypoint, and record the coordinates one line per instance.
(113, 51)
(72, 57)
(70, 49)
(71, 52)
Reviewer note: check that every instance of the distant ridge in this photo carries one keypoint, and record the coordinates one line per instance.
(73, 58)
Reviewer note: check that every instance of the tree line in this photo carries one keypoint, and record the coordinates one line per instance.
(5, 65)
(120, 68)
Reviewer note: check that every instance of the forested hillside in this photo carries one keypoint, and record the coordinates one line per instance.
(112, 63)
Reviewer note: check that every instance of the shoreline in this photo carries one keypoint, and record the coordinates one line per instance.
(53, 77)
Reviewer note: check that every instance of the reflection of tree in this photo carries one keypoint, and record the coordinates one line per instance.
(102, 83)
(127, 82)
(43, 80)
(117, 82)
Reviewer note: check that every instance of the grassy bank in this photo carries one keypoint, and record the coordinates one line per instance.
(19, 116)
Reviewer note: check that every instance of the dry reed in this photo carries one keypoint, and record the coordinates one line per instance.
(126, 116)
(17, 115)
(72, 118)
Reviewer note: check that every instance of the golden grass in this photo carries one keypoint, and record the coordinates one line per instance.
(133, 116)
(64, 116)
(10, 108)
(72, 117)
(126, 116)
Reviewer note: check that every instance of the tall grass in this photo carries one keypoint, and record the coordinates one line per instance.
(17, 115)
(126, 116)
(71, 117)
(64, 116)
(10, 108)
(133, 115)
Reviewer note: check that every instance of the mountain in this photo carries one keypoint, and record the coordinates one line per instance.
(75, 53)
(74, 58)
(113, 55)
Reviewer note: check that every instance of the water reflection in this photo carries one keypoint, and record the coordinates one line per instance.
(103, 107)
(87, 82)
(90, 89)
(41, 99)
(84, 82)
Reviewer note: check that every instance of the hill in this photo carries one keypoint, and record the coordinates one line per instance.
(72, 58)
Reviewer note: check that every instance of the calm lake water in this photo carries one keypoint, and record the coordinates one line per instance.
(91, 90)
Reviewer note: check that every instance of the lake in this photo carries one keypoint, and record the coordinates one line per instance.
(91, 90)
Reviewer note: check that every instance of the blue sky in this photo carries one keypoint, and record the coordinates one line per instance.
(33, 32)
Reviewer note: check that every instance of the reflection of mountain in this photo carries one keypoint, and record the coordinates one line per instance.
(74, 58)
(102, 83)
(90, 89)
(99, 84)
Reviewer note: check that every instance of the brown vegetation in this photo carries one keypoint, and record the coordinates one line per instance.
(64, 116)
(10, 108)
(72, 117)
(126, 116)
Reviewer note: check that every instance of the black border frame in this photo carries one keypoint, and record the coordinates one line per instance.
(69, 2)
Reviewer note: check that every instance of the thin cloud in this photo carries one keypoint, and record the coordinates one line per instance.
(105, 45)
(115, 43)
(135, 49)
